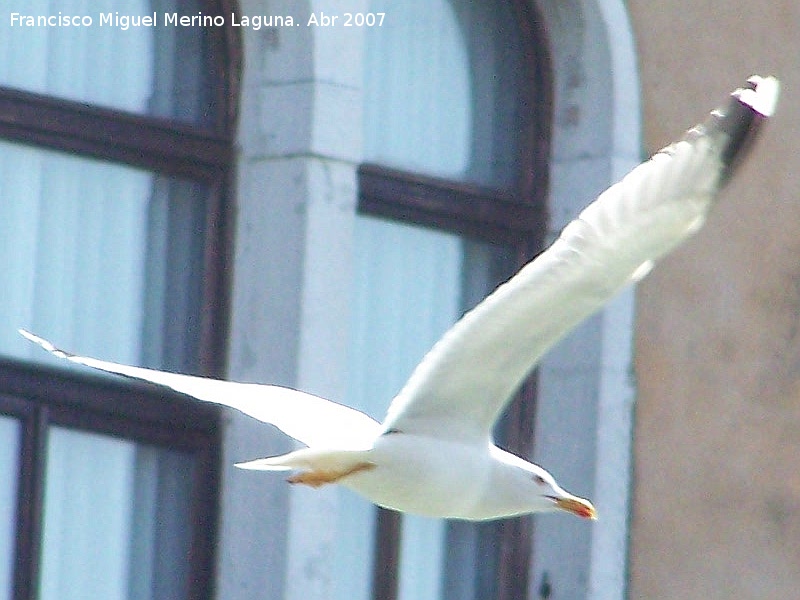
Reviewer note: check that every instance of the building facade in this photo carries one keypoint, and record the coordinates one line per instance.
(271, 194)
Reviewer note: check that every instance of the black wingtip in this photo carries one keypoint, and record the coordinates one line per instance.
(742, 118)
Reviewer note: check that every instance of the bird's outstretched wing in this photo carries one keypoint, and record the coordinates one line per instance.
(312, 420)
(465, 381)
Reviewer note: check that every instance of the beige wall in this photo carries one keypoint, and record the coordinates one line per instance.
(717, 449)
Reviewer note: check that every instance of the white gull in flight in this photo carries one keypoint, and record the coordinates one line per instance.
(433, 454)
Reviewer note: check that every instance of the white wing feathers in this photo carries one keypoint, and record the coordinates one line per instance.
(469, 376)
(312, 420)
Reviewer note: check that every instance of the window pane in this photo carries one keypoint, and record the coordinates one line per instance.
(153, 70)
(96, 255)
(417, 113)
(411, 285)
(441, 94)
(9, 473)
(116, 519)
(407, 293)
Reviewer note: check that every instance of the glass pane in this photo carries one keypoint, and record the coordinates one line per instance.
(103, 53)
(116, 519)
(441, 94)
(407, 293)
(9, 473)
(411, 285)
(95, 255)
(417, 110)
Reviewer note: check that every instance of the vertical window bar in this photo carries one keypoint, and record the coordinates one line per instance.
(387, 554)
(207, 475)
(30, 498)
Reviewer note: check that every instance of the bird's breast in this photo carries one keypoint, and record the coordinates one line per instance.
(424, 475)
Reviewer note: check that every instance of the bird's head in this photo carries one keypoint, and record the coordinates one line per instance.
(550, 492)
(531, 489)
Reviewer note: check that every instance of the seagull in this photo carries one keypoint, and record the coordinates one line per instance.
(434, 455)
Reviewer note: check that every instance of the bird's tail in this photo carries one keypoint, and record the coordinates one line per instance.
(315, 467)
(310, 459)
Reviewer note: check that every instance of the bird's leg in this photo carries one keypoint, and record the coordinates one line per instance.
(317, 478)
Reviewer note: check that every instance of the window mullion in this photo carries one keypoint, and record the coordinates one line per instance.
(208, 475)
(387, 554)
(30, 500)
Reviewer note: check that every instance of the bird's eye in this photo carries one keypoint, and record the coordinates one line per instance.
(539, 479)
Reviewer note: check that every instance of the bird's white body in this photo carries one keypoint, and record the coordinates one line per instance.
(433, 453)
(442, 478)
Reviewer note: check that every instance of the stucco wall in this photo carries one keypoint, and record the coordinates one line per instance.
(717, 436)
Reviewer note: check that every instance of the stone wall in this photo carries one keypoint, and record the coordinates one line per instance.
(717, 437)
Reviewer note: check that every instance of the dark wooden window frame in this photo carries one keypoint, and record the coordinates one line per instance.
(516, 218)
(39, 396)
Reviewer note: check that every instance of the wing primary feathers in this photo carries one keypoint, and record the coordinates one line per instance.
(45, 345)
(309, 419)
(472, 372)
(741, 120)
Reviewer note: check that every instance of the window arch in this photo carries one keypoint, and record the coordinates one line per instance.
(114, 224)
(457, 141)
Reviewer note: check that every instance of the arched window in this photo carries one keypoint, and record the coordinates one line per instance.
(117, 148)
(451, 201)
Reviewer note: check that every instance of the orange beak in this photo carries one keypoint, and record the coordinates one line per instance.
(577, 506)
